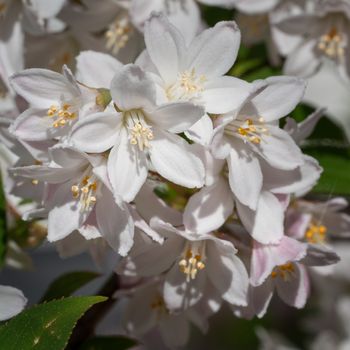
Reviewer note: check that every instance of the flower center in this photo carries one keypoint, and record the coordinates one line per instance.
(316, 233)
(139, 132)
(192, 260)
(332, 44)
(285, 271)
(85, 191)
(118, 33)
(187, 87)
(61, 115)
(250, 130)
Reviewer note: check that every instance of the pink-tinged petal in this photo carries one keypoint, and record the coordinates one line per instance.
(208, 209)
(320, 255)
(165, 46)
(97, 133)
(33, 125)
(176, 117)
(227, 272)
(225, 94)
(114, 222)
(279, 149)
(87, 74)
(42, 87)
(295, 290)
(179, 294)
(176, 160)
(127, 168)
(132, 88)
(279, 97)
(213, 52)
(12, 302)
(245, 175)
(297, 224)
(65, 213)
(266, 257)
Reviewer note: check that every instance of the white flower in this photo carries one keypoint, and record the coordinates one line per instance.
(141, 135)
(146, 309)
(12, 302)
(325, 37)
(57, 102)
(78, 198)
(210, 207)
(253, 132)
(192, 263)
(195, 72)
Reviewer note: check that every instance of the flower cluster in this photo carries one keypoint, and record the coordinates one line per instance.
(143, 148)
(104, 140)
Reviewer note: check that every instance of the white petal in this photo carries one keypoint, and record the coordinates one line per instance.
(42, 87)
(225, 94)
(96, 133)
(115, 223)
(149, 205)
(127, 168)
(176, 160)
(208, 209)
(213, 52)
(182, 334)
(152, 259)
(33, 125)
(227, 273)
(245, 175)
(279, 149)
(165, 46)
(65, 213)
(295, 291)
(86, 73)
(176, 117)
(12, 302)
(266, 224)
(132, 88)
(279, 97)
(303, 62)
(201, 132)
(178, 293)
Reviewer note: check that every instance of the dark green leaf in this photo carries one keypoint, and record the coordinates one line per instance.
(108, 343)
(46, 326)
(67, 284)
(3, 235)
(336, 176)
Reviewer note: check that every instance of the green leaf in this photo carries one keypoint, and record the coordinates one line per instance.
(336, 176)
(3, 234)
(67, 284)
(46, 326)
(108, 343)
